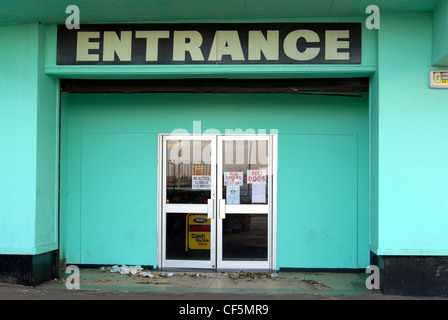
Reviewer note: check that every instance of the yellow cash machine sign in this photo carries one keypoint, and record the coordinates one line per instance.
(198, 232)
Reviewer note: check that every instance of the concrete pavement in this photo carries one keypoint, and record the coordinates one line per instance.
(95, 284)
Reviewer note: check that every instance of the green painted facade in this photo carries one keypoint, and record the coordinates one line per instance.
(412, 176)
(29, 143)
(395, 136)
(109, 170)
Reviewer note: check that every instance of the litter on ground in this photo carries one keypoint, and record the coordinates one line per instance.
(252, 275)
(123, 269)
(139, 271)
(138, 274)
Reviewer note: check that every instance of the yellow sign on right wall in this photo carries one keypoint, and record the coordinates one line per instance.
(438, 79)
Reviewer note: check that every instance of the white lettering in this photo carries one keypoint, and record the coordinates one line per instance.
(207, 311)
(290, 45)
(226, 43)
(373, 281)
(121, 46)
(84, 45)
(258, 44)
(333, 44)
(152, 42)
(181, 46)
(72, 21)
(373, 21)
(72, 281)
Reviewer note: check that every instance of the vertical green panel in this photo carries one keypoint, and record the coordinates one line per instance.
(63, 199)
(18, 122)
(413, 157)
(28, 143)
(318, 201)
(117, 193)
(373, 216)
(47, 155)
(322, 177)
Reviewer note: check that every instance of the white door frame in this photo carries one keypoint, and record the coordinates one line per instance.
(217, 209)
(165, 208)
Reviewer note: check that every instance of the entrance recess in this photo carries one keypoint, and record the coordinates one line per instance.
(217, 201)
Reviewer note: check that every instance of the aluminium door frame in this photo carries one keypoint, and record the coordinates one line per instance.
(223, 209)
(173, 263)
(161, 170)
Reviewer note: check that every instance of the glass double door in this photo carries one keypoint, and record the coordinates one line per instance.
(217, 202)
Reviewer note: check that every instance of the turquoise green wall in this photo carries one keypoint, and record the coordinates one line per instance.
(319, 239)
(28, 141)
(18, 119)
(47, 158)
(373, 170)
(412, 152)
(408, 131)
(109, 172)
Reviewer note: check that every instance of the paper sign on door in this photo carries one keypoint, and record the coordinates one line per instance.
(201, 182)
(232, 194)
(258, 180)
(258, 193)
(256, 176)
(234, 178)
(233, 181)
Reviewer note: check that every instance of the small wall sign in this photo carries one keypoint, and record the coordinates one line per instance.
(438, 79)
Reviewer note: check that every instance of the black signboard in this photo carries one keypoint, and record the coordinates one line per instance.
(165, 44)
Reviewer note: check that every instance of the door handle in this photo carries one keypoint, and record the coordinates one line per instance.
(222, 209)
(210, 209)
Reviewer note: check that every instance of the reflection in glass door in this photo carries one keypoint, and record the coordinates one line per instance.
(244, 200)
(189, 190)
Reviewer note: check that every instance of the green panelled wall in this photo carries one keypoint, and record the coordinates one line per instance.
(412, 141)
(109, 171)
(18, 119)
(408, 172)
(28, 143)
